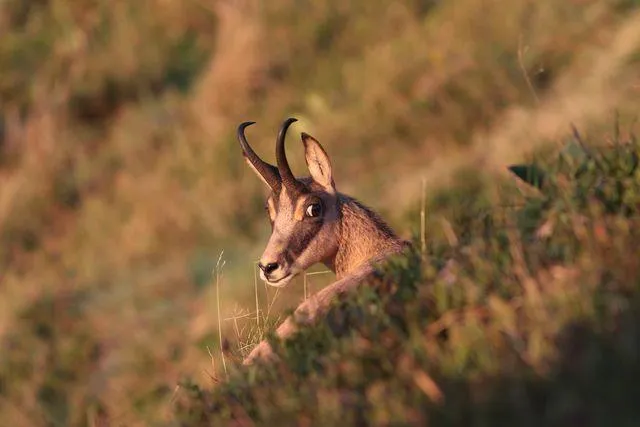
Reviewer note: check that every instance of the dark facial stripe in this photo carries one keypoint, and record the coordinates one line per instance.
(303, 234)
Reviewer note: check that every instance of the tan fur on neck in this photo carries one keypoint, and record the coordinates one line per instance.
(364, 237)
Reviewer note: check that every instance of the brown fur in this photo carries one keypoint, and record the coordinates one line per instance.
(337, 230)
(363, 239)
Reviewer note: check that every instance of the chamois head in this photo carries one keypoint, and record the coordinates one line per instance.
(304, 213)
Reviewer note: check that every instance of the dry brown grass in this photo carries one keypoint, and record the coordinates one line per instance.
(120, 176)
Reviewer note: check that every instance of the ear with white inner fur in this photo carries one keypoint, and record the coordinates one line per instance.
(318, 163)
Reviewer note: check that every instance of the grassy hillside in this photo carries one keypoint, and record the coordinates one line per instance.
(121, 183)
(525, 315)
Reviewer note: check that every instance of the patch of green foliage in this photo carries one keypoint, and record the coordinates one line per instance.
(49, 346)
(536, 322)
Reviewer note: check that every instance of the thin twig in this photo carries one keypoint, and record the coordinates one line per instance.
(315, 273)
(521, 51)
(255, 287)
(218, 271)
(578, 138)
(423, 238)
(304, 287)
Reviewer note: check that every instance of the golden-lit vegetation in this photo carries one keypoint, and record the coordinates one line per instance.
(121, 181)
(524, 314)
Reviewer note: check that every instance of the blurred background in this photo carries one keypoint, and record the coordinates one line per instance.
(122, 186)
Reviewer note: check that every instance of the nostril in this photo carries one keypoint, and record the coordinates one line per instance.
(270, 267)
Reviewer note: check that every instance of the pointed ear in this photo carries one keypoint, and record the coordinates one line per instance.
(318, 163)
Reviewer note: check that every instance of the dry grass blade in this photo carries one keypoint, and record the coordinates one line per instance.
(428, 386)
(219, 274)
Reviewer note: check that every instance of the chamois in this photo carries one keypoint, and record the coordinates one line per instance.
(313, 223)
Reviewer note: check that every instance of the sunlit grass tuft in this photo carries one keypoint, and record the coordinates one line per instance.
(538, 302)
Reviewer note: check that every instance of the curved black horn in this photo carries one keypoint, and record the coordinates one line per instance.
(288, 179)
(269, 172)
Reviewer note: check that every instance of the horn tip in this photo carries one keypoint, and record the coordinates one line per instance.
(240, 131)
(245, 124)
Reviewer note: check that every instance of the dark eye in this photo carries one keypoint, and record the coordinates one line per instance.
(314, 210)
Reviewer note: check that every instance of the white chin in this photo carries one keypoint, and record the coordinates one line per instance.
(280, 283)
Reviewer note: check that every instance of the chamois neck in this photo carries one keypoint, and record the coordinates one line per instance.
(364, 237)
